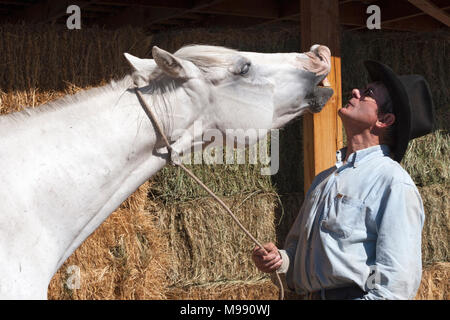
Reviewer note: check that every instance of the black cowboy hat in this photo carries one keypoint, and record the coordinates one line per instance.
(412, 104)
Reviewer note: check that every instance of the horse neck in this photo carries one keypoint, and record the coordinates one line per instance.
(84, 160)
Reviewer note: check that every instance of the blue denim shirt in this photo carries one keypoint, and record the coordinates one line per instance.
(360, 223)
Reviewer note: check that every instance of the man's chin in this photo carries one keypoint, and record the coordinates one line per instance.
(341, 112)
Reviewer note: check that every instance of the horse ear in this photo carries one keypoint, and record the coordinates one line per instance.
(143, 69)
(140, 65)
(168, 63)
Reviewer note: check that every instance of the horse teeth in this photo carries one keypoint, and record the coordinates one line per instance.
(324, 83)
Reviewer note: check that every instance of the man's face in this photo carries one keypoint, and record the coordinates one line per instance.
(361, 111)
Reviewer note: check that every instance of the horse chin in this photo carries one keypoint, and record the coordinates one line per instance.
(315, 108)
(320, 97)
(288, 118)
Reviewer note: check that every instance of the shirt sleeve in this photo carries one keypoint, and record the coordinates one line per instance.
(398, 265)
(290, 247)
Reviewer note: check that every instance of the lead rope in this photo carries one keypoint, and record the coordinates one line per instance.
(178, 163)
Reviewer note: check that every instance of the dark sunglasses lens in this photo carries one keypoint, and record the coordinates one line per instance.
(367, 93)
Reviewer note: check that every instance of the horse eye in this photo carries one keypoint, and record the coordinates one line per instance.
(245, 68)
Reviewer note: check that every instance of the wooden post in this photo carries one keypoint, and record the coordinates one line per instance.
(322, 132)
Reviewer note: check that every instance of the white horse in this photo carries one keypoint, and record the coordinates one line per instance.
(67, 165)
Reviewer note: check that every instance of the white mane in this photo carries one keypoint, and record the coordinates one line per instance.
(205, 57)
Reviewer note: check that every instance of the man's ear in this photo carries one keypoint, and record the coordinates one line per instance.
(169, 64)
(385, 120)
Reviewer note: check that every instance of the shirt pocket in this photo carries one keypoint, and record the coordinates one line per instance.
(345, 215)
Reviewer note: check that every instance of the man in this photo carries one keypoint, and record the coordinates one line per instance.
(358, 233)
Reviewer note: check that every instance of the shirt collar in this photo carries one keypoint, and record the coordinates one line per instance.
(361, 155)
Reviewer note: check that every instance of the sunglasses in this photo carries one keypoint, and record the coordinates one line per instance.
(385, 107)
(368, 92)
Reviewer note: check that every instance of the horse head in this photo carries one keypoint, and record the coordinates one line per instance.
(240, 90)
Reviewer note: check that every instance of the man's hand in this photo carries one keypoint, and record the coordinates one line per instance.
(267, 262)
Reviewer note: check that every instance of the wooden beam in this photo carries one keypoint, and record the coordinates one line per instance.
(180, 4)
(423, 23)
(140, 17)
(415, 22)
(16, 3)
(267, 9)
(226, 21)
(322, 132)
(391, 11)
(48, 10)
(432, 10)
(400, 10)
(352, 13)
(288, 11)
(145, 17)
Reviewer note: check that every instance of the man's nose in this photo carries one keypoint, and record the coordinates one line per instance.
(356, 93)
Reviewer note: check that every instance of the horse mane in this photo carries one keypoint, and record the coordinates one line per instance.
(205, 57)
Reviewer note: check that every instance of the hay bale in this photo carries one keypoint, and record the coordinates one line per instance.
(436, 230)
(262, 289)
(173, 185)
(276, 39)
(47, 57)
(205, 245)
(286, 210)
(435, 283)
(125, 258)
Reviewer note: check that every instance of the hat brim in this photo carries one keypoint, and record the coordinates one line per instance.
(402, 106)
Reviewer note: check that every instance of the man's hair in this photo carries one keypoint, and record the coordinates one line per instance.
(389, 135)
(387, 107)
